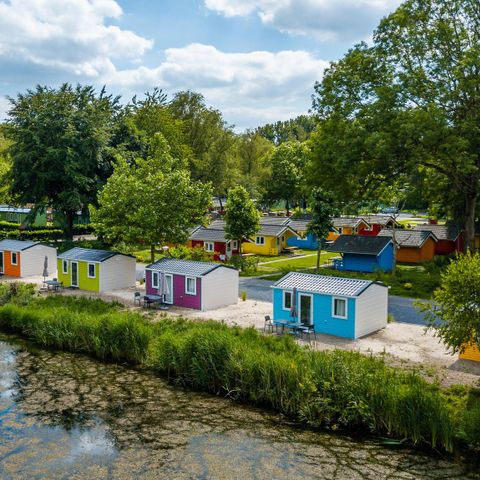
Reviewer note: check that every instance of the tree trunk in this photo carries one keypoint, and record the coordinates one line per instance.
(287, 206)
(239, 247)
(470, 210)
(319, 251)
(152, 253)
(69, 216)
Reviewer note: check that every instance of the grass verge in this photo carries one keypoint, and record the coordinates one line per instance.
(334, 389)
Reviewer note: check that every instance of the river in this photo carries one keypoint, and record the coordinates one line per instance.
(65, 416)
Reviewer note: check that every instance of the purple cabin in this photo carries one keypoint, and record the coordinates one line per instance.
(191, 284)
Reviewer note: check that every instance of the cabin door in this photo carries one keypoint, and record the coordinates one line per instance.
(169, 282)
(305, 309)
(1, 262)
(74, 281)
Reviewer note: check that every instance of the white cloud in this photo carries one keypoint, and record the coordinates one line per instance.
(69, 35)
(324, 19)
(250, 88)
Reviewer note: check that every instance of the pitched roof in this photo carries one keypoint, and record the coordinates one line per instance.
(307, 282)
(274, 220)
(185, 267)
(442, 232)
(9, 209)
(359, 244)
(348, 221)
(16, 245)
(273, 230)
(88, 254)
(218, 225)
(409, 238)
(208, 234)
(299, 225)
(383, 220)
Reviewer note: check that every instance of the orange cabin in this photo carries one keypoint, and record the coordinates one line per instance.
(347, 226)
(471, 352)
(10, 263)
(413, 246)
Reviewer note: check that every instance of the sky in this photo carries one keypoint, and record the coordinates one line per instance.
(255, 60)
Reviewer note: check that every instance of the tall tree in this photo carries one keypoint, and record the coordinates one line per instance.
(286, 181)
(5, 166)
(242, 217)
(323, 210)
(409, 102)
(151, 201)
(295, 129)
(60, 138)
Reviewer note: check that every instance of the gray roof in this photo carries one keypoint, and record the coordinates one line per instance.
(16, 245)
(383, 220)
(359, 244)
(9, 209)
(208, 234)
(273, 230)
(185, 267)
(88, 254)
(218, 225)
(348, 221)
(274, 220)
(442, 232)
(299, 225)
(307, 282)
(409, 238)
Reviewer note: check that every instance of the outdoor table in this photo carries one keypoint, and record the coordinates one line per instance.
(287, 324)
(54, 285)
(151, 298)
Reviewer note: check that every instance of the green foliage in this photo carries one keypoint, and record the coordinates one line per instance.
(16, 293)
(40, 234)
(455, 313)
(60, 138)
(186, 253)
(5, 166)
(244, 296)
(242, 217)
(296, 129)
(152, 201)
(329, 389)
(247, 265)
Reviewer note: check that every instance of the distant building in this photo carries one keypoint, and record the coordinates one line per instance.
(449, 237)
(413, 246)
(23, 216)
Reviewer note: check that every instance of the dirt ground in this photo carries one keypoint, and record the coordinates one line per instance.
(401, 344)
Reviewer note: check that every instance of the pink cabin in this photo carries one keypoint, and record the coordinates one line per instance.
(191, 284)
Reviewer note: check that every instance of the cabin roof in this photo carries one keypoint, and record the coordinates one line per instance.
(89, 254)
(307, 282)
(17, 245)
(442, 232)
(208, 234)
(409, 238)
(358, 244)
(179, 266)
(348, 221)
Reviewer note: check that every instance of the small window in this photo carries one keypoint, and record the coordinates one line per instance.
(209, 246)
(339, 308)
(260, 240)
(190, 285)
(287, 300)
(155, 279)
(235, 245)
(278, 241)
(91, 270)
(64, 266)
(14, 258)
(340, 230)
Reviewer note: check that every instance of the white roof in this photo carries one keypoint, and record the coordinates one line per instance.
(307, 282)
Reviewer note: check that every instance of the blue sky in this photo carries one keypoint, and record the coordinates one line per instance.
(255, 60)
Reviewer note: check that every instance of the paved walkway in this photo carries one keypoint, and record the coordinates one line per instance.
(401, 308)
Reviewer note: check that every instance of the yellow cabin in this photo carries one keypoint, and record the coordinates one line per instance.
(347, 226)
(471, 353)
(269, 240)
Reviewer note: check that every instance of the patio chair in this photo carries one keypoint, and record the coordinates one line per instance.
(308, 330)
(137, 298)
(268, 325)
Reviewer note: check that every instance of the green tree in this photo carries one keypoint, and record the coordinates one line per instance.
(455, 313)
(295, 129)
(242, 217)
(323, 210)
(60, 140)
(5, 166)
(152, 201)
(286, 181)
(408, 104)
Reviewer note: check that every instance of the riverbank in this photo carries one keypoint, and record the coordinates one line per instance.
(333, 390)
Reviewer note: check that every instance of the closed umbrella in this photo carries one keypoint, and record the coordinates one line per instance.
(293, 308)
(163, 290)
(45, 268)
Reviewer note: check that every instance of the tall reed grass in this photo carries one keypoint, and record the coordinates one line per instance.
(335, 389)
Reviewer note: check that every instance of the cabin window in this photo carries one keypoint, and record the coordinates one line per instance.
(64, 266)
(91, 270)
(14, 258)
(340, 230)
(287, 300)
(339, 307)
(260, 240)
(235, 244)
(278, 241)
(155, 279)
(190, 285)
(209, 246)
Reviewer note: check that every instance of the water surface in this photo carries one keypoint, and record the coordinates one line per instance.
(64, 416)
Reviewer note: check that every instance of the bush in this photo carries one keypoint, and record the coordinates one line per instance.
(246, 265)
(407, 286)
(39, 235)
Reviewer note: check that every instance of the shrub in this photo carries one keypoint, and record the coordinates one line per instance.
(407, 286)
(247, 265)
(244, 296)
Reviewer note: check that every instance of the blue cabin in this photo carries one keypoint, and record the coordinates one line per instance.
(344, 307)
(363, 254)
(304, 239)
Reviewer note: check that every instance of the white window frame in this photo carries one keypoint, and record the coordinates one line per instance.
(194, 291)
(16, 258)
(155, 275)
(283, 300)
(299, 307)
(346, 308)
(259, 240)
(65, 264)
(209, 246)
(234, 244)
(94, 270)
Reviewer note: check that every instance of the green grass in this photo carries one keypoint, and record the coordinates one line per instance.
(331, 389)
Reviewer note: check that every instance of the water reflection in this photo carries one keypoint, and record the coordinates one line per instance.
(65, 416)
